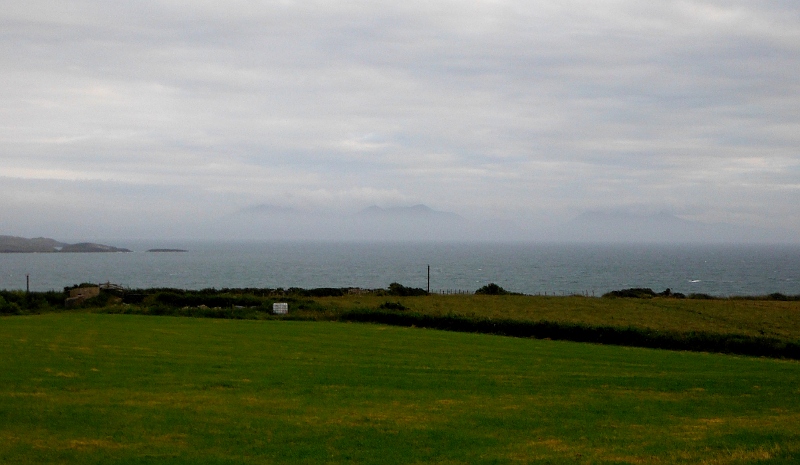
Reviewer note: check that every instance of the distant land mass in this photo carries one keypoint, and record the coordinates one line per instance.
(418, 222)
(166, 250)
(415, 212)
(374, 223)
(661, 227)
(14, 244)
(269, 209)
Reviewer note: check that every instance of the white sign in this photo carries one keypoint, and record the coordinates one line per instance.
(280, 308)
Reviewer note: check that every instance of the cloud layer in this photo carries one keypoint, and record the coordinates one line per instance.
(154, 117)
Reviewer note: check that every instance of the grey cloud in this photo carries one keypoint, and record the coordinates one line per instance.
(514, 110)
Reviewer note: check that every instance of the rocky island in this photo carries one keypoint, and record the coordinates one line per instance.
(14, 244)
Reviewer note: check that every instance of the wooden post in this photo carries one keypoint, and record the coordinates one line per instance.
(429, 280)
(27, 283)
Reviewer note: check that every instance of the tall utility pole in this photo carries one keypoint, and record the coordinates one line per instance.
(429, 279)
(28, 283)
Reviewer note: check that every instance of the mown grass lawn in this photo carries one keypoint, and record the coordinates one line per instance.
(93, 388)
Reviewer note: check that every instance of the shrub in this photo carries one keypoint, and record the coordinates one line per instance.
(492, 289)
(309, 305)
(195, 299)
(392, 306)
(8, 308)
(403, 291)
(318, 292)
(701, 296)
(634, 292)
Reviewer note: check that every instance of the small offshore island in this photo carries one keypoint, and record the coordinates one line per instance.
(167, 250)
(14, 244)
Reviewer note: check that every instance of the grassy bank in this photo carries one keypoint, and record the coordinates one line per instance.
(89, 388)
(747, 326)
(749, 317)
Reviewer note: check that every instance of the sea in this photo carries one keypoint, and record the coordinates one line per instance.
(529, 268)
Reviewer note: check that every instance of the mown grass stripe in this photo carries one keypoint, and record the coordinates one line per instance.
(632, 337)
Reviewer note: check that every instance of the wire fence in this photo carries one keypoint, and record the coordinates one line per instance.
(540, 294)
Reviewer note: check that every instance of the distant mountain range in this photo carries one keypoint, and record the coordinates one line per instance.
(14, 244)
(417, 222)
(416, 212)
(420, 222)
(268, 209)
(373, 212)
(663, 227)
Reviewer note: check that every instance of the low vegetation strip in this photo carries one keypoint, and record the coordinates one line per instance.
(767, 326)
(635, 337)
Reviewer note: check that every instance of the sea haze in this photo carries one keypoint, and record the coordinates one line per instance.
(529, 268)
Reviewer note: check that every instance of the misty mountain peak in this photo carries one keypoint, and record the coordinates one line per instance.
(414, 211)
(662, 226)
(268, 209)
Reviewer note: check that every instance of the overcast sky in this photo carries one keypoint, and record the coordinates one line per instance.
(153, 118)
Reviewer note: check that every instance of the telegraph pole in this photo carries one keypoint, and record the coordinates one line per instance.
(27, 283)
(429, 279)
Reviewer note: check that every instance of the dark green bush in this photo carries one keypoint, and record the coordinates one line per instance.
(492, 289)
(392, 306)
(305, 305)
(644, 293)
(34, 301)
(701, 296)
(317, 292)
(398, 289)
(634, 292)
(103, 299)
(192, 299)
(9, 308)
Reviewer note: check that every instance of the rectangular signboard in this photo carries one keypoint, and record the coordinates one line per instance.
(280, 308)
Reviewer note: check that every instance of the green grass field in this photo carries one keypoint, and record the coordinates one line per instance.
(766, 325)
(93, 388)
(776, 319)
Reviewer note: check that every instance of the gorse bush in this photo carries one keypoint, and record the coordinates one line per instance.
(392, 306)
(9, 308)
(33, 302)
(398, 289)
(701, 296)
(647, 293)
(195, 300)
(317, 292)
(492, 289)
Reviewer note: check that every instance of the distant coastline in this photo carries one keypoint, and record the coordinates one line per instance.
(15, 244)
(167, 250)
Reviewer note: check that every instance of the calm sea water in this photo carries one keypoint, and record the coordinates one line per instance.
(721, 270)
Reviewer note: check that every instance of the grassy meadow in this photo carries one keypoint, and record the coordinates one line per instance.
(756, 326)
(87, 388)
(750, 317)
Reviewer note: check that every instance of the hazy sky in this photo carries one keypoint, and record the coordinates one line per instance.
(140, 119)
